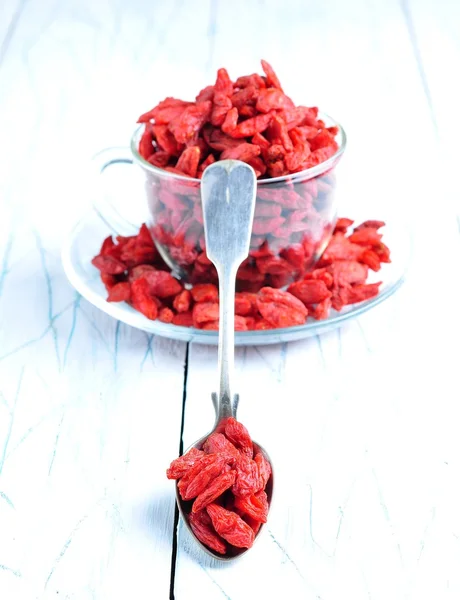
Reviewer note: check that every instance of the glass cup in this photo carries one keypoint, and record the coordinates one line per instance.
(294, 219)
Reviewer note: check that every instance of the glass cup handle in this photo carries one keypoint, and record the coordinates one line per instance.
(105, 209)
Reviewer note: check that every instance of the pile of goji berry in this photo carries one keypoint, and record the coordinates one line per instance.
(224, 485)
(227, 120)
(250, 119)
(133, 271)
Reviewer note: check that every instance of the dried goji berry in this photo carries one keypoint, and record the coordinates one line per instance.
(223, 83)
(217, 443)
(281, 309)
(244, 96)
(370, 223)
(237, 433)
(162, 284)
(120, 292)
(142, 300)
(271, 76)
(205, 292)
(184, 319)
(245, 303)
(188, 161)
(309, 291)
(230, 121)
(348, 271)
(181, 465)
(255, 506)
(202, 479)
(247, 480)
(230, 526)
(264, 468)
(366, 236)
(243, 152)
(109, 281)
(108, 264)
(201, 525)
(199, 465)
(187, 123)
(343, 224)
(204, 312)
(181, 302)
(217, 487)
(273, 99)
(321, 310)
(249, 127)
(165, 315)
(165, 141)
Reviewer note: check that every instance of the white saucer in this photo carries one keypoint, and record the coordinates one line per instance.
(85, 240)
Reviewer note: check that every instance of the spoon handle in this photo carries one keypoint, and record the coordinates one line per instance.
(228, 195)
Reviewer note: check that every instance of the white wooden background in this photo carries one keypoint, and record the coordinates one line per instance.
(362, 424)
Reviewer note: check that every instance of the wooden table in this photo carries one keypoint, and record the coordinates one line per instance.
(361, 423)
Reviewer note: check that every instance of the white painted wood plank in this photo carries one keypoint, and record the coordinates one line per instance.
(365, 456)
(90, 410)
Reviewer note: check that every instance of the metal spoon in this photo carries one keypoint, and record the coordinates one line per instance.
(228, 194)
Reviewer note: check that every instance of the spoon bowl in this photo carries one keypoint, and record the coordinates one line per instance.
(228, 190)
(185, 506)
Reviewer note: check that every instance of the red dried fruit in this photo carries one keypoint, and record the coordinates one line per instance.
(309, 291)
(270, 74)
(142, 300)
(205, 292)
(181, 465)
(244, 96)
(202, 479)
(185, 125)
(348, 272)
(199, 465)
(181, 302)
(230, 121)
(255, 506)
(184, 319)
(342, 225)
(237, 433)
(165, 315)
(217, 443)
(253, 524)
(222, 104)
(273, 99)
(166, 110)
(247, 480)
(162, 284)
(230, 526)
(223, 83)
(188, 161)
(264, 468)
(204, 312)
(321, 310)
(366, 236)
(146, 142)
(245, 303)
(240, 324)
(201, 525)
(108, 264)
(108, 280)
(372, 224)
(165, 141)
(217, 487)
(281, 309)
(243, 152)
(119, 292)
(249, 127)
(360, 292)
(340, 248)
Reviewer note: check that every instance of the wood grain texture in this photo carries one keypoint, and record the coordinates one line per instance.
(360, 423)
